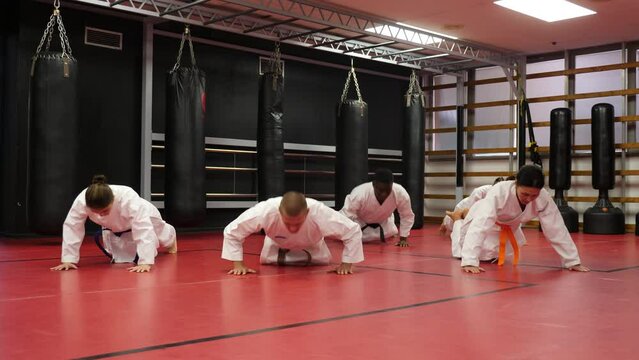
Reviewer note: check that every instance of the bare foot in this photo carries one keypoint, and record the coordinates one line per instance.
(173, 248)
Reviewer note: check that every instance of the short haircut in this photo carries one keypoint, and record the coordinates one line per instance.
(293, 203)
(511, 177)
(530, 176)
(497, 180)
(98, 195)
(384, 176)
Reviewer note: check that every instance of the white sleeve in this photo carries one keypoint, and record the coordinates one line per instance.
(336, 225)
(482, 217)
(406, 215)
(144, 235)
(351, 206)
(556, 232)
(476, 195)
(73, 231)
(249, 222)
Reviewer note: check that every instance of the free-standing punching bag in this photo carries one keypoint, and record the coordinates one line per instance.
(185, 195)
(351, 151)
(53, 132)
(413, 149)
(270, 141)
(561, 164)
(603, 217)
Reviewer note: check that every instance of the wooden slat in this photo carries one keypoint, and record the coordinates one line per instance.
(490, 150)
(439, 152)
(470, 174)
(589, 95)
(540, 75)
(230, 168)
(439, 196)
(310, 172)
(588, 199)
(535, 124)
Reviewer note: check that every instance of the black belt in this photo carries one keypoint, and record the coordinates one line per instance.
(98, 235)
(375, 226)
(281, 257)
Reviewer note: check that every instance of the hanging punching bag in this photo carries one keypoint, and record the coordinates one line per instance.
(185, 195)
(413, 149)
(351, 151)
(270, 141)
(603, 217)
(53, 133)
(561, 164)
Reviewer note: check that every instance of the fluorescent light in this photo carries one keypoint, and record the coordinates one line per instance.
(547, 10)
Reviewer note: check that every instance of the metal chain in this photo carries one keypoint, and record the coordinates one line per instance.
(275, 65)
(64, 40)
(185, 35)
(414, 89)
(46, 34)
(351, 72)
(54, 19)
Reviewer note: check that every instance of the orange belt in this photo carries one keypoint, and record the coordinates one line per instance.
(506, 233)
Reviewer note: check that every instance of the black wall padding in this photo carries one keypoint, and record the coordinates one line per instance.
(351, 164)
(185, 195)
(413, 155)
(270, 141)
(603, 147)
(560, 148)
(53, 142)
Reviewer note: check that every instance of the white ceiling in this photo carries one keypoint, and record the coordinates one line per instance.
(483, 22)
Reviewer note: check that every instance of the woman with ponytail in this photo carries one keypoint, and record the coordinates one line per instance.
(132, 228)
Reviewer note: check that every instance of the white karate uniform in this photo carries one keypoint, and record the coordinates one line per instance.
(455, 226)
(362, 206)
(479, 232)
(467, 202)
(321, 221)
(128, 212)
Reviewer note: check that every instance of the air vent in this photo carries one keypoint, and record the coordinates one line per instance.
(265, 65)
(103, 38)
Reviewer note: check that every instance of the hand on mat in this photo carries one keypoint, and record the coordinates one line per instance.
(64, 266)
(240, 269)
(403, 242)
(579, 268)
(473, 269)
(140, 268)
(442, 229)
(343, 269)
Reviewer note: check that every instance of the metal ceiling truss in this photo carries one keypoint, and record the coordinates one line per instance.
(424, 52)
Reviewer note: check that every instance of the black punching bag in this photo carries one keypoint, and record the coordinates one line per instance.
(603, 217)
(351, 163)
(561, 163)
(413, 149)
(270, 141)
(185, 195)
(53, 134)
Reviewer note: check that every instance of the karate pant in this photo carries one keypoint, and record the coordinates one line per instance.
(123, 248)
(320, 254)
(490, 247)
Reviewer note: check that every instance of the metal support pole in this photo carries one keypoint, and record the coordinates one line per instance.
(459, 153)
(147, 110)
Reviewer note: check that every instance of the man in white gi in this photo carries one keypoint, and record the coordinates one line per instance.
(372, 204)
(131, 226)
(295, 228)
(489, 224)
